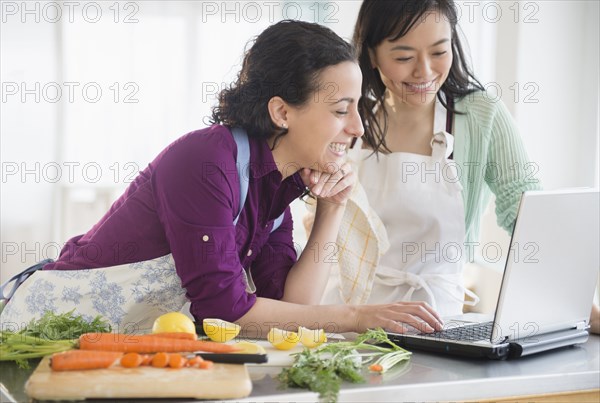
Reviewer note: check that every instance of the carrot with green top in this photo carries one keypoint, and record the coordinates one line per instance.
(74, 360)
(148, 344)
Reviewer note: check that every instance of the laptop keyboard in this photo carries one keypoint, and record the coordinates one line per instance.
(476, 332)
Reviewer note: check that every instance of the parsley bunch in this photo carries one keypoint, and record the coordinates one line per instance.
(64, 326)
(323, 369)
(50, 334)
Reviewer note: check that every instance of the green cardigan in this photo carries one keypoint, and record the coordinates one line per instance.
(490, 156)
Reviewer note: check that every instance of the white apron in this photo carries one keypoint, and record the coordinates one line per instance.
(419, 199)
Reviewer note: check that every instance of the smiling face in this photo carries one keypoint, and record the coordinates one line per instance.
(414, 66)
(320, 131)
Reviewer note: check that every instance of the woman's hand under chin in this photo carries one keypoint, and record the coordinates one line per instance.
(332, 187)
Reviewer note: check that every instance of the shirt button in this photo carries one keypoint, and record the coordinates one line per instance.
(205, 238)
(249, 252)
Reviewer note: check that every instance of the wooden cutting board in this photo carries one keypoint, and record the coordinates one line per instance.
(222, 381)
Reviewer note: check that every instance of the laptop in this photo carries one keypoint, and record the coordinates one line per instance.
(547, 289)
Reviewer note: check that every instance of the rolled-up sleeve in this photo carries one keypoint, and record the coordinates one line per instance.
(276, 258)
(196, 188)
(509, 171)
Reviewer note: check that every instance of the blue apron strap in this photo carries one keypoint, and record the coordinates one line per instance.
(277, 222)
(242, 165)
(242, 162)
(20, 278)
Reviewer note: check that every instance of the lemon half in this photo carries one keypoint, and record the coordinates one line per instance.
(282, 339)
(220, 330)
(312, 337)
(173, 322)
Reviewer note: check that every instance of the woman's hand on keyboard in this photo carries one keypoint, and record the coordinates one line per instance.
(398, 317)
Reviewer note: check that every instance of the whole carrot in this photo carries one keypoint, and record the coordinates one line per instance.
(78, 359)
(148, 344)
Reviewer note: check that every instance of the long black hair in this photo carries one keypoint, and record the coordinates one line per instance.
(285, 60)
(380, 20)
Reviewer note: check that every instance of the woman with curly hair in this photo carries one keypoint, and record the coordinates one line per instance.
(288, 121)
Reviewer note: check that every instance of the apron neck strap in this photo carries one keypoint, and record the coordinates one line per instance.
(442, 142)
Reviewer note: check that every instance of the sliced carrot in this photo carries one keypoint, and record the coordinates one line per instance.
(194, 361)
(375, 368)
(160, 360)
(131, 360)
(175, 335)
(205, 364)
(146, 359)
(148, 344)
(176, 361)
(78, 359)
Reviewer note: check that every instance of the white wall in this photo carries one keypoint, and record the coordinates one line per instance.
(551, 56)
(28, 53)
(178, 52)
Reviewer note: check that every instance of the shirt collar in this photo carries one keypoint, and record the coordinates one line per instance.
(261, 158)
(263, 164)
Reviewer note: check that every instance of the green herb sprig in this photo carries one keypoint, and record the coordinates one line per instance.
(53, 326)
(323, 369)
(50, 334)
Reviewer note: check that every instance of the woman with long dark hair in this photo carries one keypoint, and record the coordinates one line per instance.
(436, 146)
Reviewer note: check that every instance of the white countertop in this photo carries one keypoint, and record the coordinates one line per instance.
(429, 377)
(426, 377)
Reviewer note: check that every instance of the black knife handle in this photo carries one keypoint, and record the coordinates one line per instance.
(234, 358)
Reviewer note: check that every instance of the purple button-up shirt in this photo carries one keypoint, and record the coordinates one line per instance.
(184, 203)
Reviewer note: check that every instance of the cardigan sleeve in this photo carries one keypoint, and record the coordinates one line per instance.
(508, 171)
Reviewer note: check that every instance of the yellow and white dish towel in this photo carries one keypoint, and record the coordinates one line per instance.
(361, 241)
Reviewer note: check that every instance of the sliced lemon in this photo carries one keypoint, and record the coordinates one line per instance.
(247, 347)
(282, 339)
(220, 330)
(312, 337)
(173, 322)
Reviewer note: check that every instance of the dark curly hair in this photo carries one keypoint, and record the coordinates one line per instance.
(285, 60)
(379, 20)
